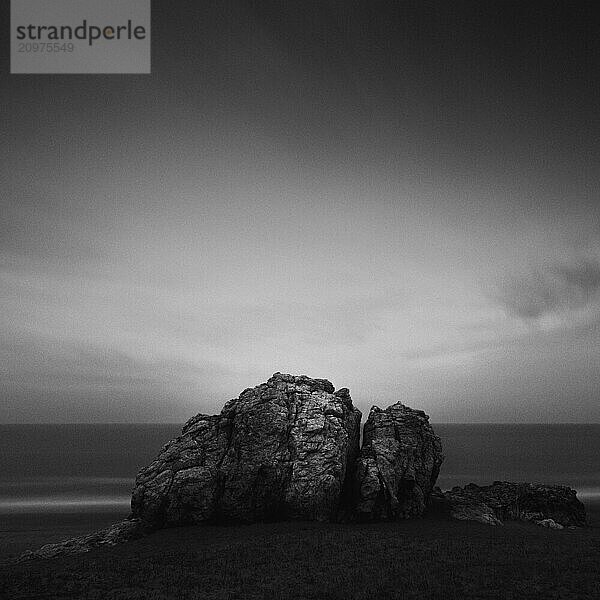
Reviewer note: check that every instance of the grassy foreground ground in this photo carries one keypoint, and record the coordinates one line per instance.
(428, 558)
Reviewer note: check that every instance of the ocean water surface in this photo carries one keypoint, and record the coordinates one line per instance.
(83, 468)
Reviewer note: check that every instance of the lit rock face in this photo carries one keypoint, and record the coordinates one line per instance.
(282, 450)
(398, 464)
(507, 501)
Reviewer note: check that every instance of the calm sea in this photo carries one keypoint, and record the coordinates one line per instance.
(78, 468)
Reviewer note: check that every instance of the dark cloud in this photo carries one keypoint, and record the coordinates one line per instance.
(584, 277)
(552, 288)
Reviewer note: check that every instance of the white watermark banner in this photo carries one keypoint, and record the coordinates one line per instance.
(80, 36)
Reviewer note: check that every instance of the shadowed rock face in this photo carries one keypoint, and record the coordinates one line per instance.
(118, 533)
(279, 451)
(398, 464)
(504, 501)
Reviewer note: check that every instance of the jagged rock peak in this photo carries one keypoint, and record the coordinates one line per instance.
(277, 383)
(401, 411)
(299, 382)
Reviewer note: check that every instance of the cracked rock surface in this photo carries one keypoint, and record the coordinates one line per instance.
(398, 464)
(282, 450)
(505, 500)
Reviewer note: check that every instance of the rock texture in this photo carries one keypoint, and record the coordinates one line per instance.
(546, 505)
(398, 464)
(282, 450)
(550, 523)
(118, 533)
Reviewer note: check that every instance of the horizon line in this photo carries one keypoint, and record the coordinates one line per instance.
(183, 423)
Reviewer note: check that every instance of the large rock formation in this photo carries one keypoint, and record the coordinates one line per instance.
(289, 449)
(504, 500)
(398, 464)
(282, 450)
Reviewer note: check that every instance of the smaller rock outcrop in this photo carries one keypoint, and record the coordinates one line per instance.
(398, 464)
(546, 505)
(118, 533)
(550, 523)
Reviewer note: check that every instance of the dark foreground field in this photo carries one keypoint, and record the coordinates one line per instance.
(428, 558)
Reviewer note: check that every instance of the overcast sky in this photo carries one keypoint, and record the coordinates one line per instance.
(399, 197)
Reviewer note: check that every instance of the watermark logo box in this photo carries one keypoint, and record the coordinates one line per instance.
(80, 36)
